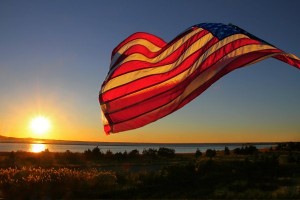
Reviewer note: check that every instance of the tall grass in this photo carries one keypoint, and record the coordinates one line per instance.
(152, 174)
(53, 183)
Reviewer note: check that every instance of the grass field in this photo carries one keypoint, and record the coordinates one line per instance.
(154, 174)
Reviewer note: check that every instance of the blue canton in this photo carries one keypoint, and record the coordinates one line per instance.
(222, 31)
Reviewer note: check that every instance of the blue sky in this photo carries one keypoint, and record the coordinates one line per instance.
(54, 56)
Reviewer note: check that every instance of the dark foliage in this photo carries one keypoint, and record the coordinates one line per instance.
(109, 154)
(198, 153)
(226, 151)
(94, 154)
(247, 150)
(288, 146)
(210, 153)
(233, 179)
(166, 152)
(134, 153)
(151, 175)
(152, 153)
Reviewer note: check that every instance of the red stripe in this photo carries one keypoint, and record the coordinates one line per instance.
(289, 60)
(141, 49)
(136, 121)
(237, 63)
(107, 129)
(135, 49)
(125, 111)
(152, 80)
(140, 108)
(161, 99)
(135, 65)
(140, 35)
(145, 51)
(155, 79)
(151, 38)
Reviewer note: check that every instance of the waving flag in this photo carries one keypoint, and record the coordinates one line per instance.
(149, 78)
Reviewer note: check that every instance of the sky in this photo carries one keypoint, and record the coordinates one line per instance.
(55, 54)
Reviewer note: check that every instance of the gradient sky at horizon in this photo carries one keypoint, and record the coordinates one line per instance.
(55, 54)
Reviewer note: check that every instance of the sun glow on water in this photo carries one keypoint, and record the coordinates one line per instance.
(36, 148)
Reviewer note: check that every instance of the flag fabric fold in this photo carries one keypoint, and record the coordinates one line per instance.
(150, 78)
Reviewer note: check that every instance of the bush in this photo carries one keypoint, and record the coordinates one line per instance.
(210, 153)
(95, 153)
(248, 150)
(134, 153)
(109, 153)
(226, 151)
(150, 153)
(166, 152)
(289, 146)
(198, 153)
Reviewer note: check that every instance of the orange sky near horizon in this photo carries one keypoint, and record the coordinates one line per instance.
(63, 129)
(69, 124)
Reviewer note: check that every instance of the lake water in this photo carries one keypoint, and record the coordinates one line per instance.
(120, 147)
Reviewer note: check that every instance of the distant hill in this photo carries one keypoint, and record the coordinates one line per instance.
(4, 139)
(13, 139)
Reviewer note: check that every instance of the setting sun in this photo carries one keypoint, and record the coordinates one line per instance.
(40, 125)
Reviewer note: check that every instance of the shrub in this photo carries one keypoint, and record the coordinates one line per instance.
(150, 153)
(198, 153)
(134, 153)
(289, 146)
(210, 153)
(96, 152)
(248, 150)
(226, 151)
(109, 153)
(119, 155)
(166, 152)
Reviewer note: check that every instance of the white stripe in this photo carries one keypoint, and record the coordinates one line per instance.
(175, 46)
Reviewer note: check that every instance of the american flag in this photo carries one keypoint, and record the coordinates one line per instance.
(150, 78)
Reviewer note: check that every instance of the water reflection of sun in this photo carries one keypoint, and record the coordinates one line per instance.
(36, 148)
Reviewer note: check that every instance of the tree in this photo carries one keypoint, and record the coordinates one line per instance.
(198, 153)
(150, 153)
(226, 151)
(210, 153)
(237, 151)
(247, 150)
(109, 153)
(96, 152)
(119, 155)
(134, 153)
(166, 152)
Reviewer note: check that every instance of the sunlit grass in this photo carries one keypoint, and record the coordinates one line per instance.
(40, 182)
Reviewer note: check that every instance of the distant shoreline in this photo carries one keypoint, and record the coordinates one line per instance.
(4, 139)
(136, 143)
